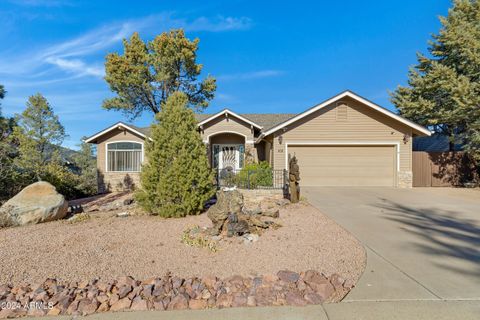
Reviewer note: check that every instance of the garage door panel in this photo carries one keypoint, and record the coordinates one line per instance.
(345, 165)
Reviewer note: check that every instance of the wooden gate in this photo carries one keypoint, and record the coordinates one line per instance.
(443, 169)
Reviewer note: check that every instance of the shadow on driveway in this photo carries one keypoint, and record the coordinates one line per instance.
(444, 232)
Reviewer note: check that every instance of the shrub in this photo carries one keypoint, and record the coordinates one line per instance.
(255, 175)
(176, 180)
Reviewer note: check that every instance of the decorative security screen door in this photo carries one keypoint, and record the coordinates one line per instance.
(228, 157)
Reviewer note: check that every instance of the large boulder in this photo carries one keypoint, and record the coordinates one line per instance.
(37, 203)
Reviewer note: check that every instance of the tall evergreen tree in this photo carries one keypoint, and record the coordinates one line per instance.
(7, 154)
(85, 161)
(443, 90)
(176, 179)
(39, 134)
(148, 73)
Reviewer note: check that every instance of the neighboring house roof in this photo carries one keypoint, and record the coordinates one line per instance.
(355, 96)
(435, 143)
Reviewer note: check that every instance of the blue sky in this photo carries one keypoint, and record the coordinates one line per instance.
(268, 56)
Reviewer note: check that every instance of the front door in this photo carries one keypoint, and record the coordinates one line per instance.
(227, 156)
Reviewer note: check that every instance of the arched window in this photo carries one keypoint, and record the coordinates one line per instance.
(124, 156)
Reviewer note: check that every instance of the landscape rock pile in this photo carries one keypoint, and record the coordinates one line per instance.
(170, 293)
(230, 217)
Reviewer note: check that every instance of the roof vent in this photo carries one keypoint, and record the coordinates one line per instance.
(341, 111)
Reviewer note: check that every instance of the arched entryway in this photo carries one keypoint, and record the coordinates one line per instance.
(227, 150)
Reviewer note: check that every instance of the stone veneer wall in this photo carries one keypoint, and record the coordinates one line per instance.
(405, 179)
(118, 181)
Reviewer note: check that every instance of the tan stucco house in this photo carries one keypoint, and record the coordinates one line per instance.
(346, 140)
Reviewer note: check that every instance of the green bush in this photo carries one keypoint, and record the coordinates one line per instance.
(176, 180)
(255, 175)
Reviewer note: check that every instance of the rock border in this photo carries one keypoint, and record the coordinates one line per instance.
(170, 293)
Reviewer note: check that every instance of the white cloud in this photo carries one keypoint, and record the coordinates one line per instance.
(251, 75)
(77, 67)
(71, 55)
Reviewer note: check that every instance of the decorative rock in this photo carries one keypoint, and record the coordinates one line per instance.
(158, 305)
(270, 278)
(239, 300)
(72, 307)
(126, 281)
(209, 281)
(124, 291)
(337, 281)
(320, 285)
(179, 302)
(288, 276)
(251, 301)
(113, 299)
(313, 298)
(295, 299)
(224, 300)
(86, 307)
(103, 307)
(197, 304)
(7, 313)
(158, 291)
(348, 284)
(174, 293)
(121, 304)
(139, 304)
(55, 311)
(37, 203)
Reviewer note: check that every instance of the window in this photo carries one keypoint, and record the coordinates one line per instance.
(124, 156)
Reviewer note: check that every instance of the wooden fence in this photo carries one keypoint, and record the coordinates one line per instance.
(444, 169)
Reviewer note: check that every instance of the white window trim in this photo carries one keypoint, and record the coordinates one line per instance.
(346, 143)
(106, 155)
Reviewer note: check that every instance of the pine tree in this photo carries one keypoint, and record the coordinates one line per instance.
(87, 165)
(148, 73)
(39, 133)
(7, 154)
(443, 91)
(176, 179)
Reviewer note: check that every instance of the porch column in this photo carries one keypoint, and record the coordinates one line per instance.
(208, 147)
(250, 153)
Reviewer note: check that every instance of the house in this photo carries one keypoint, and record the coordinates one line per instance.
(346, 140)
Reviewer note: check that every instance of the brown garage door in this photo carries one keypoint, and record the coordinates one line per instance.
(345, 165)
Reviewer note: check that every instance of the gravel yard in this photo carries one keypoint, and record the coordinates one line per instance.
(146, 246)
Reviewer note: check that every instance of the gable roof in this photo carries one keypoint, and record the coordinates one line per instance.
(271, 122)
(266, 120)
(143, 132)
(227, 112)
(354, 96)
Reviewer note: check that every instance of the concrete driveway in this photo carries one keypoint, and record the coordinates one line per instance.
(422, 243)
(423, 248)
